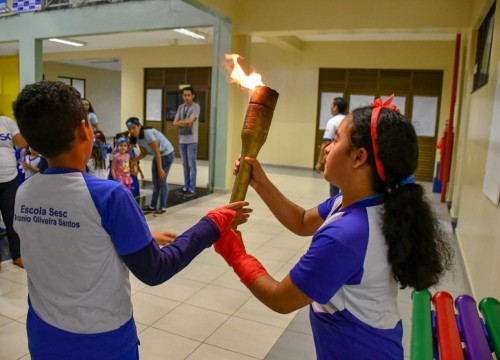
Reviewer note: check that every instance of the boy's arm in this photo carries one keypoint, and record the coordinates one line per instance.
(154, 266)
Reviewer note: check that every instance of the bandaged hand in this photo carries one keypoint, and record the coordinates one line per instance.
(230, 215)
(230, 246)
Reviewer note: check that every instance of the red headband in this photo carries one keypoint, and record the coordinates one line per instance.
(377, 105)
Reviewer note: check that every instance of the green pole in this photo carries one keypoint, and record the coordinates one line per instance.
(490, 308)
(421, 326)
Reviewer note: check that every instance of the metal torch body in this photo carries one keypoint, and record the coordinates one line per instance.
(253, 135)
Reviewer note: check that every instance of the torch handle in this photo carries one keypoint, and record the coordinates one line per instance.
(244, 174)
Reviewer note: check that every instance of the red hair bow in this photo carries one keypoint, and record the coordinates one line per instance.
(378, 105)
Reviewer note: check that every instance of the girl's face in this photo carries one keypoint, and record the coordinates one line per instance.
(86, 105)
(123, 147)
(134, 130)
(338, 158)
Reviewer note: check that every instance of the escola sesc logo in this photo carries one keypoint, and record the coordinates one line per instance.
(5, 135)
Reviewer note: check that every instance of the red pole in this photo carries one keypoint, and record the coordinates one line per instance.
(449, 134)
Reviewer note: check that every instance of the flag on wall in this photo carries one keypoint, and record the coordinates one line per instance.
(3, 6)
(26, 5)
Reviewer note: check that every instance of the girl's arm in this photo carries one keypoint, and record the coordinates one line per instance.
(19, 141)
(293, 217)
(113, 167)
(141, 156)
(161, 173)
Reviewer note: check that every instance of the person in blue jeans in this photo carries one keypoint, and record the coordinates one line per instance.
(187, 118)
(152, 142)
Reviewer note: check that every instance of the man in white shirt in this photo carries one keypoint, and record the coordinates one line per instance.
(338, 108)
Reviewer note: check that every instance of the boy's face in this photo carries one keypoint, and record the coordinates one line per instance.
(188, 97)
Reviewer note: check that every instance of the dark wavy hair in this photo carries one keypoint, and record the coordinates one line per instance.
(48, 112)
(419, 252)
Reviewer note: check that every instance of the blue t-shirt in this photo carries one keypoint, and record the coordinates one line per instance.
(151, 135)
(346, 272)
(78, 241)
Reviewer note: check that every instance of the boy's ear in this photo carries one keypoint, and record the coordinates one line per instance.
(83, 130)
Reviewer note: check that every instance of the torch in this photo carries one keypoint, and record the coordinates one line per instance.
(256, 125)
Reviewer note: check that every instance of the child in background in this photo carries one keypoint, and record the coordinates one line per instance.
(98, 165)
(120, 168)
(135, 169)
(33, 163)
(20, 154)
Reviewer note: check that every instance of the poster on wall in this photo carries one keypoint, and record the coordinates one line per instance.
(26, 5)
(153, 104)
(491, 182)
(424, 116)
(3, 6)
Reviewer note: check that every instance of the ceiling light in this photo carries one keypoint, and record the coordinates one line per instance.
(68, 42)
(191, 33)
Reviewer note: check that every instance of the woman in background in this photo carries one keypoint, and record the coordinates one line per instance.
(94, 121)
(10, 136)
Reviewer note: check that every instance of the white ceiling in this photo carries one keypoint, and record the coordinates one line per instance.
(115, 41)
(172, 38)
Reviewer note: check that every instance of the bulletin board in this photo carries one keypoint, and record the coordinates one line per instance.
(491, 182)
(153, 104)
(325, 112)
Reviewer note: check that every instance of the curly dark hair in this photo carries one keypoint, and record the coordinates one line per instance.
(419, 252)
(48, 112)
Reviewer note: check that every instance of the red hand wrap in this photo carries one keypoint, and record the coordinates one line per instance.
(222, 217)
(231, 248)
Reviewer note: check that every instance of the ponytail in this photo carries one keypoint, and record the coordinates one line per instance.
(418, 250)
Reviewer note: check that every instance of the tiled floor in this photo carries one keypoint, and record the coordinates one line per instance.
(204, 312)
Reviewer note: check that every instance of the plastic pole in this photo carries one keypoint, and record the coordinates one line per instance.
(490, 308)
(450, 345)
(421, 326)
(476, 345)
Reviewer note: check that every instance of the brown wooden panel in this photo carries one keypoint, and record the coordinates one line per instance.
(427, 154)
(175, 77)
(362, 80)
(335, 78)
(395, 80)
(154, 78)
(428, 81)
(169, 80)
(198, 77)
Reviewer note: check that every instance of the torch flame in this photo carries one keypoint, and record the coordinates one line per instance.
(238, 76)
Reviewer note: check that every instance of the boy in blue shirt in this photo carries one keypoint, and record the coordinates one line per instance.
(80, 236)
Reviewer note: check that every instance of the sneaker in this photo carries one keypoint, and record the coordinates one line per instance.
(18, 262)
(160, 212)
(184, 190)
(148, 209)
(190, 194)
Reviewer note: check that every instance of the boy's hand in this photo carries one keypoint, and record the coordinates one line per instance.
(164, 237)
(230, 215)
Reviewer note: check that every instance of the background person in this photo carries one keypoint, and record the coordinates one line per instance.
(152, 142)
(88, 233)
(120, 168)
(10, 136)
(187, 118)
(377, 235)
(338, 108)
(87, 106)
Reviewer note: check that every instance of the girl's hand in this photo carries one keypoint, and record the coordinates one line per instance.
(258, 174)
(162, 174)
